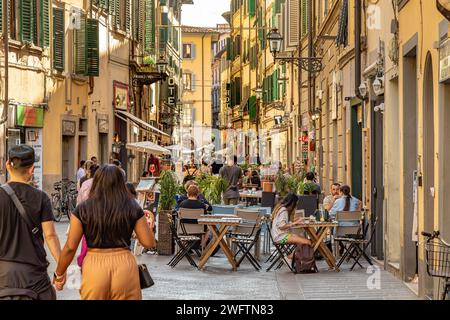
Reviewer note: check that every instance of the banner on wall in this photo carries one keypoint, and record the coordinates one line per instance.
(33, 138)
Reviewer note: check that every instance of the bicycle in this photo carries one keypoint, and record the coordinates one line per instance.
(437, 258)
(64, 199)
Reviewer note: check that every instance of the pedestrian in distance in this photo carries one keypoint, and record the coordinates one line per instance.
(107, 219)
(232, 175)
(81, 172)
(26, 222)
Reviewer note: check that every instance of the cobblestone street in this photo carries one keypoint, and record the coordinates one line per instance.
(218, 282)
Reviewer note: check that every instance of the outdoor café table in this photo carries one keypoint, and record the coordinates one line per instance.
(317, 231)
(219, 226)
(250, 195)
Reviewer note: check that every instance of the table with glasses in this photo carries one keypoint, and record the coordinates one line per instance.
(317, 232)
(219, 225)
(248, 195)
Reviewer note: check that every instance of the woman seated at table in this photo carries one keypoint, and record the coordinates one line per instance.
(281, 225)
(346, 202)
(255, 179)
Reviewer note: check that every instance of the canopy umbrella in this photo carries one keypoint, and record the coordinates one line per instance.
(148, 147)
(177, 147)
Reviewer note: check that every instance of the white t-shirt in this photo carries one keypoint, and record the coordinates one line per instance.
(280, 220)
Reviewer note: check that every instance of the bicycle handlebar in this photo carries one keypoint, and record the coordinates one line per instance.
(435, 234)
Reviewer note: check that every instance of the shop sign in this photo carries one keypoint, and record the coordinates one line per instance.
(172, 94)
(28, 116)
(33, 138)
(444, 61)
(228, 96)
(121, 98)
(103, 123)
(305, 122)
(68, 128)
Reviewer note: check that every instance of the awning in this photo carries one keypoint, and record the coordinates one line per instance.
(177, 147)
(148, 147)
(140, 122)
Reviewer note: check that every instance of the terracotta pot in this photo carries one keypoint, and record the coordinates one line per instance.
(267, 186)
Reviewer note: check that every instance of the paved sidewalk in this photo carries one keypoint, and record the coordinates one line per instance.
(217, 281)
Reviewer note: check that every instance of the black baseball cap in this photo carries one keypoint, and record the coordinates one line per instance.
(21, 156)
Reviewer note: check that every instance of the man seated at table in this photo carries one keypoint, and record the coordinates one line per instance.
(281, 226)
(329, 200)
(200, 197)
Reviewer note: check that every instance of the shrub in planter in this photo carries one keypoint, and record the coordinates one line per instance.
(168, 189)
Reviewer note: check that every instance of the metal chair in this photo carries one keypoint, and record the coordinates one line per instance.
(246, 235)
(358, 247)
(268, 199)
(307, 203)
(186, 243)
(281, 252)
(350, 227)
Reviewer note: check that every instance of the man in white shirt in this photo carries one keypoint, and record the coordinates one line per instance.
(329, 200)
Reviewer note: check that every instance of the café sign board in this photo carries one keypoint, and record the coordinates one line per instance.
(444, 61)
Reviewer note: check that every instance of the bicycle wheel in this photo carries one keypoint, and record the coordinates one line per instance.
(56, 205)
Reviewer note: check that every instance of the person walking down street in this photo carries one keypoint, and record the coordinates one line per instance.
(107, 219)
(87, 166)
(329, 200)
(346, 202)
(23, 209)
(232, 175)
(83, 195)
(80, 172)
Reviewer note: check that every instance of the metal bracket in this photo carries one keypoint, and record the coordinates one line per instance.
(312, 65)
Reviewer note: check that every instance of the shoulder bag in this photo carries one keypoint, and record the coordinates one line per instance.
(145, 278)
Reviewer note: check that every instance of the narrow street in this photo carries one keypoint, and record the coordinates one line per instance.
(217, 282)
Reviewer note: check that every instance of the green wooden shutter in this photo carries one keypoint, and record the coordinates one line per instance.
(114, 9)
(26, 21)
(164, 31)
(127, 15)
(92, 48)
(251, 7)
(150, 34)
(304, 17)
(101, 4)
(45, 23)
(284, 82)
(58, 39)
(80, 47)
(1, 16)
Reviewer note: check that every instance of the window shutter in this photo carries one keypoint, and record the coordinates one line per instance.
(80, 47)
(192, 115)
(45, 23)
(251, 7)
(127, 15)
(101, 4)
(92, 47)
(304, 15)
(114, 9)
(193, 82)
(141, 7)
(150, 34)
(26, 21)
(164, 32)
(194, 51)
(1, 15)
(284, 82)
(58, 39)
(229, 49)
(293, 34)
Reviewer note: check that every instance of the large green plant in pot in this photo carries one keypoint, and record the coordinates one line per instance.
(212, 187)
(281, 184)
(168, 189)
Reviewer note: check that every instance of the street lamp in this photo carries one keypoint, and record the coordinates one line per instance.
(378, 86)
(258, 93)
(310, 64)
(161, 65)
(363, 90)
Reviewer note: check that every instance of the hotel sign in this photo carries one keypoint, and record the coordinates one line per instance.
(228, 95)
(172, 94)
(444, 61)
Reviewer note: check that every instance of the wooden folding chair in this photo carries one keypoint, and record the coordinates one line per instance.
(246, 235)
(185, 243)
(281, 252)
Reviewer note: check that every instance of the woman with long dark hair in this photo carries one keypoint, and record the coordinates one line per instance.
(107, 219)
(280, 222)
(346, 202)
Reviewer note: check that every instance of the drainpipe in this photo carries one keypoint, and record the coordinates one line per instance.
(203, 78)
(4, 117)
(357, 47)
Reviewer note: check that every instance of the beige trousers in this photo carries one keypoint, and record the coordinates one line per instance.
(110, 274)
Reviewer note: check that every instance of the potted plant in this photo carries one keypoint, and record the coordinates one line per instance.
(168, 190)
(212, 187)
(281, 184)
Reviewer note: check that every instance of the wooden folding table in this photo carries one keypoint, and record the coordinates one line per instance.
(219, 226)
(317, 232)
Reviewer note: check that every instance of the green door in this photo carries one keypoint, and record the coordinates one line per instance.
(356, 154)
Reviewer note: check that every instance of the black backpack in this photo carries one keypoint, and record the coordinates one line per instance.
(304, 260)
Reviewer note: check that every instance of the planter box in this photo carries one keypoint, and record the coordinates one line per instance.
(165, 245)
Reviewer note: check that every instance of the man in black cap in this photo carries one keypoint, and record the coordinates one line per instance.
(26, 219)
